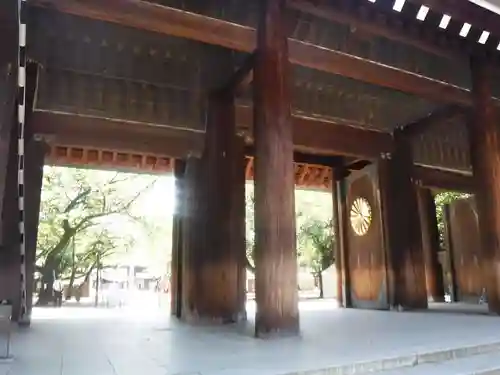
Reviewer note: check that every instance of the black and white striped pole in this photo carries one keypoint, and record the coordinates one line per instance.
(21, 115)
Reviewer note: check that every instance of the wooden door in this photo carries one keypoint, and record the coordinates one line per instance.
(366, 255)
(465, 250)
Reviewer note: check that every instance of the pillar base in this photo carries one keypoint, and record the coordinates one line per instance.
(277, 327)
(278, 334)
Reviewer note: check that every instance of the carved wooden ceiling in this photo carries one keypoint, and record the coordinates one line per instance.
(110, 71)
(306, 175)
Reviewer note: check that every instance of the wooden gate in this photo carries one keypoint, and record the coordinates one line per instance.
(464, 250)
(366, 255)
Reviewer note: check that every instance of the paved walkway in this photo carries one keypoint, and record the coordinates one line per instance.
(87, 341)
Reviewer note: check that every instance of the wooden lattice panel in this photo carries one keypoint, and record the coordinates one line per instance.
(306, 175)
(97, 158)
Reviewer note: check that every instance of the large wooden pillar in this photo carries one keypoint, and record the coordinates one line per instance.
(177, 240)
(8, 84)
(275, 254)
(484, 136)
(336, 216)
(403, 235)
(10, 253)
(343, 243)
(430, 244)
(215, 231)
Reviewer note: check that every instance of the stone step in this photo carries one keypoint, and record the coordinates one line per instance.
(482, 364)
(413, 362)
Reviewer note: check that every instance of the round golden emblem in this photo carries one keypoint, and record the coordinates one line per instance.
(361, 216)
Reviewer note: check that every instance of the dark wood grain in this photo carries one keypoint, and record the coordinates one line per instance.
(177, 240)
(165, 20)
(430, 244)
(466, 247)
(337, 246)
(8, 75)
(484, 135)
(275, 254)
(402, 228)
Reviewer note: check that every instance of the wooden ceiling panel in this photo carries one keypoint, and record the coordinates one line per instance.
(66, 42)
(91, 95)
(355, 102)
(444, 145)
(170, 21)
(346, 37)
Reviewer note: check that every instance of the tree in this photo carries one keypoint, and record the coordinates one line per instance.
(250, 232)
(95, 250)
(316, 240)
(441, 200)
(73, 203)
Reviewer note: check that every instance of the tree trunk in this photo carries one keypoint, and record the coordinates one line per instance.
(69, 293)
(320, 282)
(98, 275)
(46, 294)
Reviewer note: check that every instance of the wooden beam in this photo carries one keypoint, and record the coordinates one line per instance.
(357, 165)
(318, 136)
(443, 180)
(165, 20)
(437, 117)
(242, 77)
(303, 158)
(311, 136)
(83, 131)
(366, 17)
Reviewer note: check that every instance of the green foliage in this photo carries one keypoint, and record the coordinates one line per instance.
(316, 241)
(310, 206)
(441, 200)
(250, 230)
(83, 215)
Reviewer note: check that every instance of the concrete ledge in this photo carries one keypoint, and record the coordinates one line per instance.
(405, 361)
(4, 360)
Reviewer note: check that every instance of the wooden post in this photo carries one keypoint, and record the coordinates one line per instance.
(339, 267)
(275, 263)
(191, 237)
(237, 232)
(9, 255)
(402, 228)
(215, 248)
(225, 215)
(343, 218)
(484, 137)
(430, 245)
(9, 39)
(177, 224)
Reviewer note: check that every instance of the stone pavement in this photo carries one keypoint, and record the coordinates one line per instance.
(87, 341)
